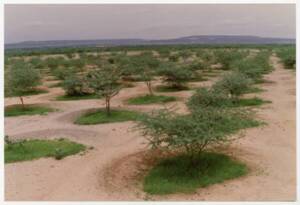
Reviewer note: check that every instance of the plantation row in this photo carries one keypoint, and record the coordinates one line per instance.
(78, 74)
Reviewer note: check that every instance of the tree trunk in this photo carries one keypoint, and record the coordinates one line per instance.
(107, 105)
(149, 87)
(22, 102)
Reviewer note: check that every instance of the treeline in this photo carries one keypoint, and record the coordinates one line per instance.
(65, 50)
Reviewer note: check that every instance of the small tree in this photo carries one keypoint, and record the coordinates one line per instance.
(204, 97)
(235, 84)
(75, 86)
(175, 76)
(191, 134)
(144, 66)
(174, 57)
(226, 56)
(185, 55)
(105, 83)
(21, 78)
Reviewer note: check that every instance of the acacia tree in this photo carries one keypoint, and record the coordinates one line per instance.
(105, 83)
(176, 76)
(145, 66)
(234, 84)
(193, 133)
(185, 55)
(22, 77)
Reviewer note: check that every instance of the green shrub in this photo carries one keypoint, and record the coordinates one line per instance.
(288, 56)
(75, 86)
(226, 56)
(21, 78)
(62, 73)
(235, 84)
(193, 133)
(176, 76)
(204, 97)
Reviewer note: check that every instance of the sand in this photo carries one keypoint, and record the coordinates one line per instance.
(110, 170)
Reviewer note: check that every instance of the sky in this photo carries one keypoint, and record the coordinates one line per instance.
(147, 21)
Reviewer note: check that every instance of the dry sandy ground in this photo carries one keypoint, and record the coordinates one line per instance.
(109, 171)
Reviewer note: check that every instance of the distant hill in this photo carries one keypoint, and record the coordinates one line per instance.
(202, 39)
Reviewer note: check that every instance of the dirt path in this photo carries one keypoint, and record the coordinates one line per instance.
(269, 150)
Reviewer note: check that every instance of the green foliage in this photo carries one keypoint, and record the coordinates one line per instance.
(100, 116)
(176, 76)
(204, 97)
(174, 57)
(150, 99)
(27, 93)
(17, 110)
(144, 66)
(185, 55)
(22, 78)
(253, 68)
(175, 175)
(37, 63)
(235, 84)
(249, 102)
(167, 88)
(105, 83)
(62, 73)
(75, 86)
(198, 66)
(288, 56)
(34, 149)
(226, 56)
(193, 133)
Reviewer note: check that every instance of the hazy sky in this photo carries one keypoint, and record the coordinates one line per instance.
(78, 22)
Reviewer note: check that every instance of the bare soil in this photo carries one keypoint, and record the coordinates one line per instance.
(110, 170)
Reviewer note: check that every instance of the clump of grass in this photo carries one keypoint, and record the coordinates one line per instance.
(150, 99)
(78, 97)
(175, 175)
(35, 148)
(17, 110)
(165, 88)
(100, 116)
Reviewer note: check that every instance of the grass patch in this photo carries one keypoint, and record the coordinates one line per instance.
(164, 88)
(35, 149)
(99, 116)
(17, 110)
(179, 175)
(29, 92)
(80, 97)
(149, 99)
